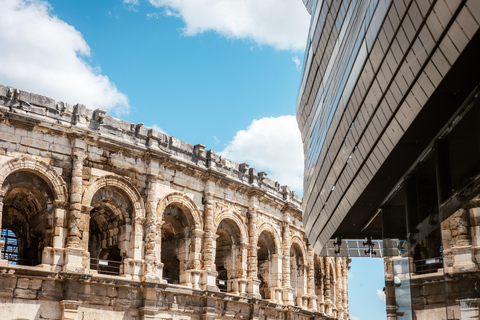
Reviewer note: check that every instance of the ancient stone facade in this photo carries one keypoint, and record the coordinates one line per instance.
(445, 287)
(105, 219)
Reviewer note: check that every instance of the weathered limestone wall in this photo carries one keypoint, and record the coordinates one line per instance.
(112, 220)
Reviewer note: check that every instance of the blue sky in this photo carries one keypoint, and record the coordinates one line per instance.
(221, 73)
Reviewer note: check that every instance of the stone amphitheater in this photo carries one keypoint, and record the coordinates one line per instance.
(106, 219)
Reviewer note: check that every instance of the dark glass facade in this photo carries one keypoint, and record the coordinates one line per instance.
(389, 115)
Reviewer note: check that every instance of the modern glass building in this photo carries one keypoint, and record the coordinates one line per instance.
(390, 120)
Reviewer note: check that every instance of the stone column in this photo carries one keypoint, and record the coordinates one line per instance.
(312, 304)
(75, 247)
(153, 265)
(328, 301)
(286, 281)
(208, 237)
(76, 188)
(345, 286)
(209, 274)
(53, 257)
(134, 265)
(252, 268)
(390, 289)
(339, 288)
(239, 284)
(2, 243)
(457, 243)
(194, 265)
(474, 214)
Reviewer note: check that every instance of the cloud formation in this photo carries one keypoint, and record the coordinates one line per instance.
(131, 4)
(157, 128)
(381, 295)
(42, 54)
(273, 145)
(282, 24)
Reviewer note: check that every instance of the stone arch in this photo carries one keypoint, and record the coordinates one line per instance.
(33, 194)
(230, 250)
(184, 202)
(298, 270)
(296, 240)
(227, 214)
(116, 213)
(266, 226)
(120, 183)
(40, 168)
(268, 260)
(179, 236)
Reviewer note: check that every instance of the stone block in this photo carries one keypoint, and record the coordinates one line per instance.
(42, 101)
(24, 96)
(10, 137)
(22, 283)
(3, 91)
(94, 299)
(25, 293)
(35, 284)
(6, 286)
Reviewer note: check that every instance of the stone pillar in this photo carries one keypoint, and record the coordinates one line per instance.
(339, 288)
(345, 286)
(2, 243)
(253, 289)
(75, 247)
(457, 243)
(209, 274)
(53, 257)
(194, 265)
(153, 265)
(134, 265)
(275, 282)
(208, 237)
(390, 289)
(286, 281)
(239, 284)
(70, 309)
(312, 303)
(328, 301)
(474, 215)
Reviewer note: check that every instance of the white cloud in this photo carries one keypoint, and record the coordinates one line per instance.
(42, 54)
(282, 24)
(153, 15)
(350, 275)
(381, 295)
(273, 145)
(131, 4)
(296, 61)
(355, 318)
(158, 128)
(217, 141)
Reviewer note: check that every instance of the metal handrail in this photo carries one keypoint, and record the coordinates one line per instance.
(105, 266)
(428, 265)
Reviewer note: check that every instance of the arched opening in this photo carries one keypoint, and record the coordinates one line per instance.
(266, 249)
(10, 246)
(27, 217)
(175, 243)
(228, 254)
(109, 231)
(297, 273)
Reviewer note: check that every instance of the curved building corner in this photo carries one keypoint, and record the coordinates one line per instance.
(388, 111)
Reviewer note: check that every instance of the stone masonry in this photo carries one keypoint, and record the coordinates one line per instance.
(106, 219)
